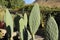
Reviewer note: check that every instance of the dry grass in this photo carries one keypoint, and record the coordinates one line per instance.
(50, 4)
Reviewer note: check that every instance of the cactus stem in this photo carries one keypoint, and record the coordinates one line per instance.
(33, 37)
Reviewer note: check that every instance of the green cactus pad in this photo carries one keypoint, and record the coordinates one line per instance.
(8, 20)
(25, 19)
(21, 22)
(51, 29)
(34, 19)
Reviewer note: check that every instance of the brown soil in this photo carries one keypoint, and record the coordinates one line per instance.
(38, 38)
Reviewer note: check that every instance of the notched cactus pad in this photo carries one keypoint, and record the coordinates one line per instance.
(21, 22)
(51, 29)
(34, 19)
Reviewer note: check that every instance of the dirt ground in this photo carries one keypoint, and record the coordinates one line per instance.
(38, 37)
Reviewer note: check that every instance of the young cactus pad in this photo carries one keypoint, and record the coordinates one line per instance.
(51, 29)
(21, 22)
(8, 20)
(25, 19)
(34, 19)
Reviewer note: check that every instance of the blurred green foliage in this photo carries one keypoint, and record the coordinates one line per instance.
(16, 3)
(12, 3)
(3, 2)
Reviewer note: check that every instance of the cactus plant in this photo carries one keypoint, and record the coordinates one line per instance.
(51, 29)
(21, 22)
(25, 19)
(34, 19)
(9, 21)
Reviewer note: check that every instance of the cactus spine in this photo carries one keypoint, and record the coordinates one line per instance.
(34, 19)
(51, 29)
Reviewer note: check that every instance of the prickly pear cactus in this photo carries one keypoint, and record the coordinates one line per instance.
(51, 29)
(8, 20)
(25, 19)
(34, 19)
(21, 22)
